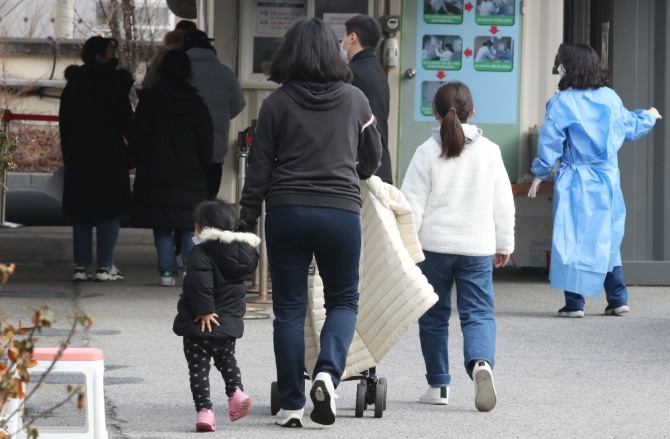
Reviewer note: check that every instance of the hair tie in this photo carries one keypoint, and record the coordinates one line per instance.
(452, 109)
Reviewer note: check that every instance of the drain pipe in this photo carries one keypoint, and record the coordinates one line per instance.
(64, 19)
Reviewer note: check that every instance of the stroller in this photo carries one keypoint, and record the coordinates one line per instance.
(393, 295)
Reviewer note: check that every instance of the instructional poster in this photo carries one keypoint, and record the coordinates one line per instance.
(273, 19)
(475, 42)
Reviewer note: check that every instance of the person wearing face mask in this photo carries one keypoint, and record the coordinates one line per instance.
(584, 128)
(211, 307)
(360, 40)
(95, 115)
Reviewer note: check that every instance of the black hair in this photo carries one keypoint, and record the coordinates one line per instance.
(96, 45)
(368, 29)
(197, 38)
(583, 69)
(311, 52)
(175, 66)
(186, 25)
(216, 213)
(453, 103)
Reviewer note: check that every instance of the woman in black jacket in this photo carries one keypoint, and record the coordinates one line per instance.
(172, 148)
(95, 116)
(212, 305)
(315, 140)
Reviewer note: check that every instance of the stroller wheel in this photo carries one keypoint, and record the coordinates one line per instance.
(274, 398)
(361, 388)
(383, 382)
(380, 396)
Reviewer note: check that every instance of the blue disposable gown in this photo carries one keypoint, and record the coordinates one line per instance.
(583, 131)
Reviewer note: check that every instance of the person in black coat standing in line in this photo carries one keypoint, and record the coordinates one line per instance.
(172, 141)
(95, 117)
(360, 40)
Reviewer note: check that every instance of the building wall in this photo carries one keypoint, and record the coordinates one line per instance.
(540, 18)
(542, 33)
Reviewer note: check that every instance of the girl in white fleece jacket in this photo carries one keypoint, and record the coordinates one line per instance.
(463, 207)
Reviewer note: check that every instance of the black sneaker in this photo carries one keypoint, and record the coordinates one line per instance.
(571, 312)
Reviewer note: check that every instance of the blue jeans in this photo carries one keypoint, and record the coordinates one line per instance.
(106, 234)
(474, 299)
(164, 243)
(294, 235)
(615, 292)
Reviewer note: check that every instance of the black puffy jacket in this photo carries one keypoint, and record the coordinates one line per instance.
(214, 283)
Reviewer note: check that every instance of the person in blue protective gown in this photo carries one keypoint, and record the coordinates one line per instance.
(584, 127)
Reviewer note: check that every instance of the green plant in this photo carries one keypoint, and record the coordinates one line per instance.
(16, 351)
(7, 148)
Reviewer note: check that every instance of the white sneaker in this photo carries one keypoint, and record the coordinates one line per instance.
(618, 311)
(435, 395)
(107, 274)
(167, 279)
(485, 391)
(323, 398)
(290, 418)
(80, 274)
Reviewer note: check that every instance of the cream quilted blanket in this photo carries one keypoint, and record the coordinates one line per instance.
(393, 291)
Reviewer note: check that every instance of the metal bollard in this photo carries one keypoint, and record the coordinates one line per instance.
(260, 277)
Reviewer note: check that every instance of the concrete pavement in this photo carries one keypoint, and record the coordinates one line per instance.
(600, 376)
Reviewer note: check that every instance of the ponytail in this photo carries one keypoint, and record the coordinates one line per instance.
(453, 104)
(452, 135)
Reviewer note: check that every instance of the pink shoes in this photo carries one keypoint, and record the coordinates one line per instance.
(205, 421)
(239, 405)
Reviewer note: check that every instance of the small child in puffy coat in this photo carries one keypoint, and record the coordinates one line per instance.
(212, 305)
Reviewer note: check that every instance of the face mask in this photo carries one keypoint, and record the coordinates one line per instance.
(196, 240)
(112, 63)
(561, 71)
(343, 50)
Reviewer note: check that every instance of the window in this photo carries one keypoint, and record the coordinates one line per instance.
(264, 24)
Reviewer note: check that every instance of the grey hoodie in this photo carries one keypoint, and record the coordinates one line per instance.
(221, 91)
(314, 142)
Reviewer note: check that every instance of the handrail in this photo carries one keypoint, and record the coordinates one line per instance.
(7, 116)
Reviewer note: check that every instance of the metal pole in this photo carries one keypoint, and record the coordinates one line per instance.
(263, 260)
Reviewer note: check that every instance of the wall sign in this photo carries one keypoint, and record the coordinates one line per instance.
(264, 24)
(476, 42)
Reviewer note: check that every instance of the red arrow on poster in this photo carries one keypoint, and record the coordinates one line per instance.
(494, 30)
(467, 52)
(468, 6)
(440, 74)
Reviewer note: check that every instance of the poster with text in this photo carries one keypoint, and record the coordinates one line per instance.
(481, 50)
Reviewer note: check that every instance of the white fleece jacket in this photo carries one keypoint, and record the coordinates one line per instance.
(393, 291)
(462, 205)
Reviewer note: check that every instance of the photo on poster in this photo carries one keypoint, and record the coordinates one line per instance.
(443, 11)
(494, 54)
(495, 12)
(428, 90)
(441, 52)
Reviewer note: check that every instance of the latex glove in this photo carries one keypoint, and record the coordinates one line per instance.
(655, 112)
(534, 187)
